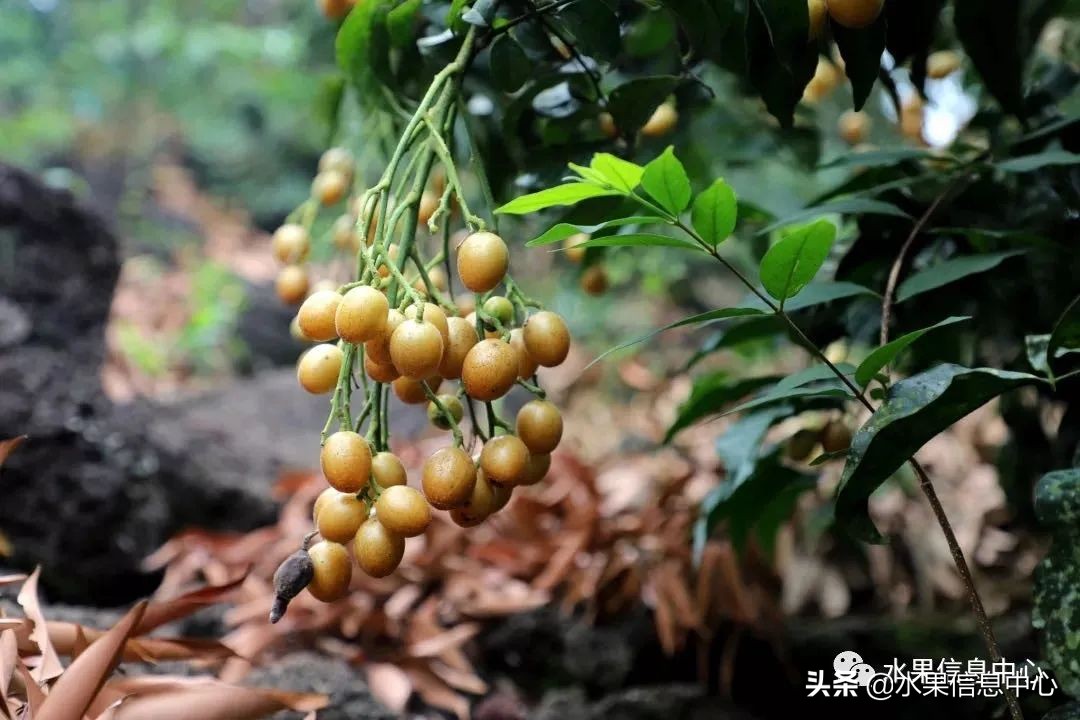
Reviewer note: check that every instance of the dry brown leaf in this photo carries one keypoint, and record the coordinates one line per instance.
(13, 579)
(82, 681)
(448, 639)
(8, 446)
(562, 562)
(189, 698)
(50, 666)
(389, 684)
(35, 696)
(435, 692)
(464, 680)
(165, 611)
(9, 660)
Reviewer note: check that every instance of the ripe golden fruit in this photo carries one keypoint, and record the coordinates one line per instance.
(661, 122)
(504, 460)
(540, 426)
(480, 504)
(500, 308)
(594, 280)
(437, 276)
(416, 348)
(295, 331)
(362, 315)
(387, 470)
(607, 125)
(452, 406)
(291, 284)
(490, 370)
(482, 261)
(339, 159)
(345, 235)
(448, 478)
(500, 495)
(316, 315)
(911, 118)
(333, 571)
(411, 391)
(290, 244)
(378, 348)
(326, 495)
(818, 12)
(429, 203)
(340, 517)
(538, 468)
(319, 367)
(488, 333)
(574, 253)
(835, 436)
(378, 551)
(461, 337)
(826, 79)
(942, 64)
(434, 315)
(403, 510)
(526, 365)
(546, 338)
(854, 126)
(855, 14)
(346, 461)
(378, 372)
(329, 187)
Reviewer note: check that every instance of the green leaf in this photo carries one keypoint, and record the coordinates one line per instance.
(846, 206)
(510, 66)
(1056, 611)
(566, 194)
(704, 22)
(950, 271)
(632, 103)
(992, 41)
(794, 261)
(401, 22)
(914, 411)
(639, 240)
(888, 352)
(709, 395)
(595, 28)
(715, 212)
(820, 391)
(1066, 333)
(752, 330)
(621, 174)
(354, 43)
(1028, 163)
(779, 59)
(814, 373)
(912, 28)
(665, 180)
(861, 50)
(1035, 349)
(816, 293)
(564, 230)
(705, 317)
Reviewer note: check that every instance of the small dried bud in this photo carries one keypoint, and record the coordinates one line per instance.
(291, 577)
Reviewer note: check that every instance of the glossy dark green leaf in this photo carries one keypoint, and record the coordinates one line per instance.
(845, 206)
(566, 194)
(1066, 333)
(861, 50)
(912, 27)
(1057, 580)
(595, 28)
(780, 61)
(792, 263)
(402, 21)
(914, 411)
(734, 337)
(666, 182)
(715, 212)
(879, 158)
(821, 390)
(950, 271)
(510, 66)
(562, 231)
(1028, 163)
(888, 352)
(704, 22)
(992, 41)
(632, 103)
(814, 373)
(354, 43)
(1035, 350)
(709, 396)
